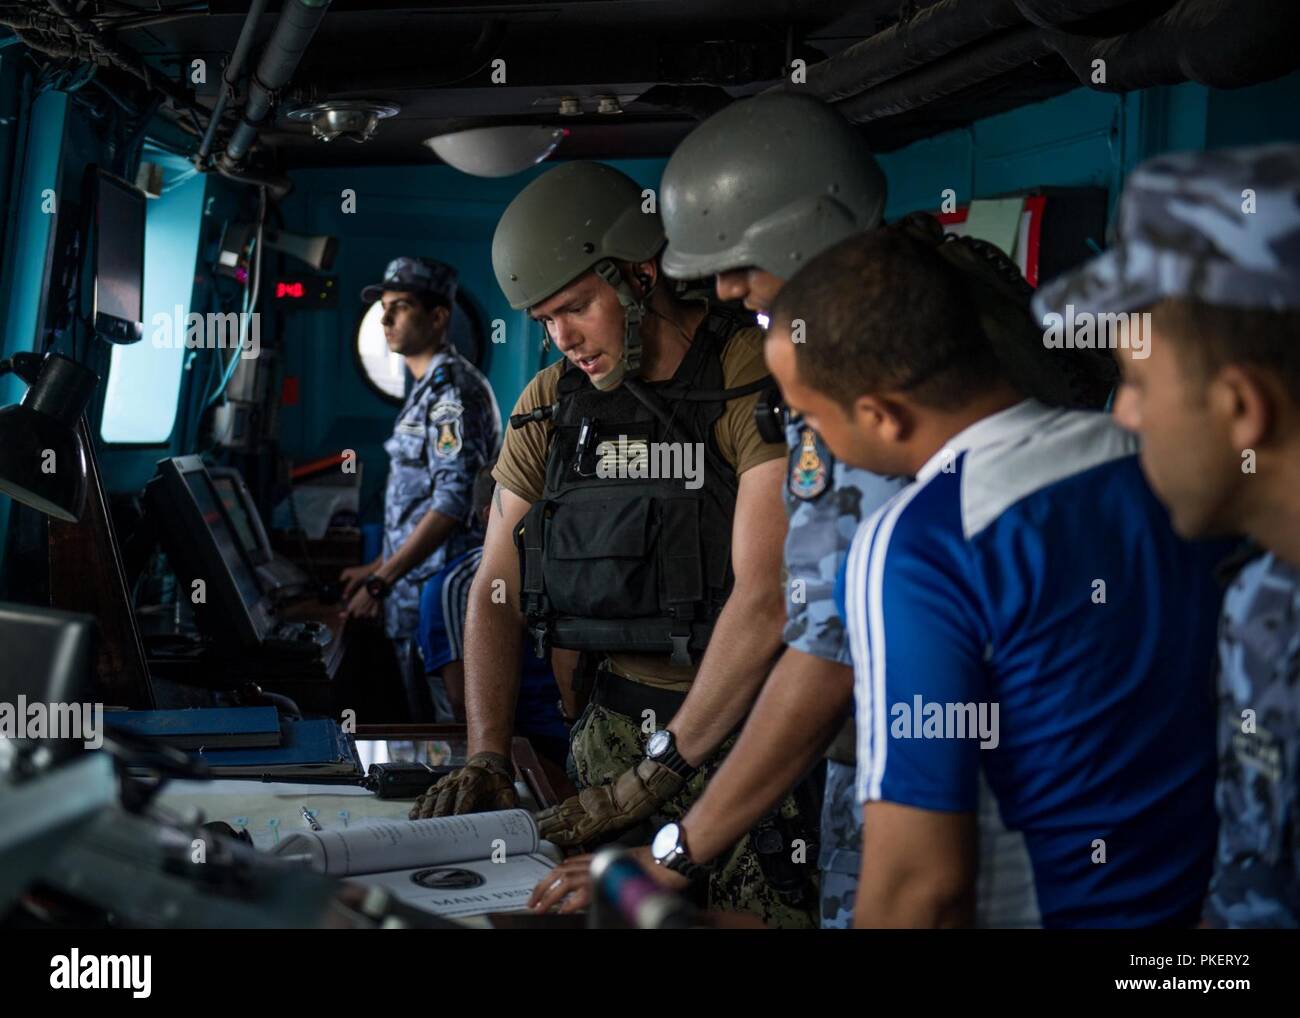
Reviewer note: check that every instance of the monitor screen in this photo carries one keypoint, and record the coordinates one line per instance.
(119, 260)
(202, 544)
(209, 503)
(49, 654)
(237, 511)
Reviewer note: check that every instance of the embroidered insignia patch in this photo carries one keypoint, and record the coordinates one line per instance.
(808, 473)
(449, 441)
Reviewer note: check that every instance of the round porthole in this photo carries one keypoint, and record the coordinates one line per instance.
(384, 372)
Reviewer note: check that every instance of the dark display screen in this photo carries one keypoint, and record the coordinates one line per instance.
(237, 513)
(209, 503)
(119, 262)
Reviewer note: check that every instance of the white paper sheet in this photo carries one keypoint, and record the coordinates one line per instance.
(380, 845)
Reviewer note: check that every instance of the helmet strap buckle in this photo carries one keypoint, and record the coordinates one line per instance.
(633, 314)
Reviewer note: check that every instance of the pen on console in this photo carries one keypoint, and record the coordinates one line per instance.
(311, 820)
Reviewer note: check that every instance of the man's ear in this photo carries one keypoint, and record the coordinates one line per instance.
(888, 417)
(1246, 402)
(645, 275)
(441, 318)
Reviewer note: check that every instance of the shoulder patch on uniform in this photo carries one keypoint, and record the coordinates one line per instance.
(446, 410)
(449, 440)
(809, 467)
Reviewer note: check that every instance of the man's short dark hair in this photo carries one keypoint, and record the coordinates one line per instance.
(429, 301)
(1213, 336)
(883, 312)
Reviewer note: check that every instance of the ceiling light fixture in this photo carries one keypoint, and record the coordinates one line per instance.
(496, 151)
(354, 119)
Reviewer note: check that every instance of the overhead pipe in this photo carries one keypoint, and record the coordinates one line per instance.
(935, 32)
(931, 33)
(277, 184)
(1205, 41)
(298, 22)
(1196, 40)
(230, 77)
(1063, 14)
(976, 64)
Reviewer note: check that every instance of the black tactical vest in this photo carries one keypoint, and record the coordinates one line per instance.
(627, 563)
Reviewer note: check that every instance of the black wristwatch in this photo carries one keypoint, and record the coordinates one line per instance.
(661, 747)
(377, 587)
(669, 851)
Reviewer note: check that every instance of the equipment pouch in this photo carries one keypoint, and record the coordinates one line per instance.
(598, 561)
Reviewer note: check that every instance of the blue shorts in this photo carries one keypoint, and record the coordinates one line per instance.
(444, 599)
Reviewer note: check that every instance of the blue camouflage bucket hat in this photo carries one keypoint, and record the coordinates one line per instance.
(423, 275)
(1219, 227)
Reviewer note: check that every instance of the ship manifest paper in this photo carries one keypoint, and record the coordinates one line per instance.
(448, 866)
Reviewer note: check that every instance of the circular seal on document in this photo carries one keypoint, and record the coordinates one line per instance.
(448, 879)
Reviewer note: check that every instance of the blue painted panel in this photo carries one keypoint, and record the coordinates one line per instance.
(27, 249)
(1255, 115)
(1067, 141)
(24, 264)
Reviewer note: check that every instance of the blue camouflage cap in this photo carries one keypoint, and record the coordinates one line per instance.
(1219, 227)
(423, 275)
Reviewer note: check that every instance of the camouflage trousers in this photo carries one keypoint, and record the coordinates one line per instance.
(841, 850)
(605, 744)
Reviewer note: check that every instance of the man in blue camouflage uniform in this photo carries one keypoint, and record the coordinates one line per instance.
(448, 428)
(1209, 244)
(825, 500)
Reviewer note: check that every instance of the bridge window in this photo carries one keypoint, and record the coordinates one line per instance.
(144, 379)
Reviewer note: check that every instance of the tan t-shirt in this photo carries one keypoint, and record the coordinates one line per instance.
(521, 467)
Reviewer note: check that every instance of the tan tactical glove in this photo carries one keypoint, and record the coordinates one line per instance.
(486, 782)
(603, 812)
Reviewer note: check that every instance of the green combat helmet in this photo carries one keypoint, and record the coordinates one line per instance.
(577, 217)
(768, 182)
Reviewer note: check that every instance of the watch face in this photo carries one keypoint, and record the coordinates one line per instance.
(664, 842)
(657, 744)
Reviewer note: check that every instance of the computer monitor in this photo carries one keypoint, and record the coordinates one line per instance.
(49, 654)
(279, 577)
(242, 512)
(50, 786)
(119, 259)
(49, 657)
(202, 543)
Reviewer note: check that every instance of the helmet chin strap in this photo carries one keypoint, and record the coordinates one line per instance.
(629, 365)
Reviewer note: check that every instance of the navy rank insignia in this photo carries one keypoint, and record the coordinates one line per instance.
(808, 467)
